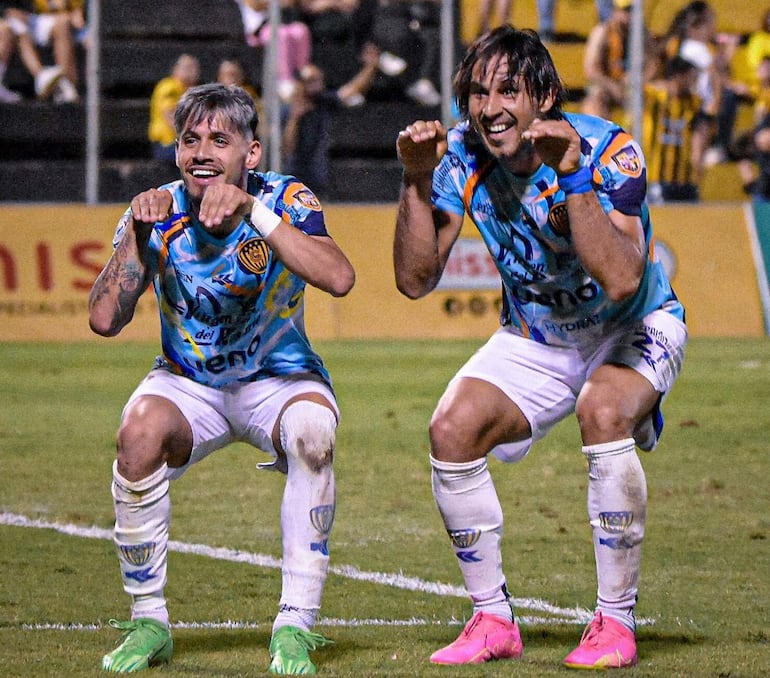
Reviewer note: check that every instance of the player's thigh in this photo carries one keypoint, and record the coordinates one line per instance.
(256, 408)
(512, 389)
(473, 416)
(632, 372)
(195, 426)
(654, 348)
(153, 430)
(612, 402)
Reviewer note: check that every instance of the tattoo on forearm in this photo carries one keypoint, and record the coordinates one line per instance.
(122, 281)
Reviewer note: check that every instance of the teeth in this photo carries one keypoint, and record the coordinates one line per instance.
(204, 173)
(498, 128)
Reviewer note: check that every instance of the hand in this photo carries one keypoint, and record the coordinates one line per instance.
(222, 202)
(421, 146)
(151, 206)
(557, 144)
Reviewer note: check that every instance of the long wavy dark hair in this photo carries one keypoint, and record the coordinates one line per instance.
(527, 57)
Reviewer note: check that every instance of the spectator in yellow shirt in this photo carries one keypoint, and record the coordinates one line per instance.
(167, 92)
(758, 47)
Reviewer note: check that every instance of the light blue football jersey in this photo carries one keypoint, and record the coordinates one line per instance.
(229, 309)
(547, 295)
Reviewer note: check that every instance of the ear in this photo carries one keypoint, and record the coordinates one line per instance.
(254, 155)
(546, 104)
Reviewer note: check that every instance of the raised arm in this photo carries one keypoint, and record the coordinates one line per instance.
(316, 259)
(424, 235)
(126, 275)
(610, 247)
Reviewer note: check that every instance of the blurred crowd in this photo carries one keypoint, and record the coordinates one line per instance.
(698, 82)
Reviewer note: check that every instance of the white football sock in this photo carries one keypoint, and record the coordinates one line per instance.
(307, 510)
(468, 504)
(142, 518)
(617, 509)
(294, 616)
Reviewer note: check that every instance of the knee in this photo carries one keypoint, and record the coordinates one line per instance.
(442, 433)
(308, 434)
(447, 438)
(149, 435)
(601, 417)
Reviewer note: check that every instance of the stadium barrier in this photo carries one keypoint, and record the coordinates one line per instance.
(50, 255)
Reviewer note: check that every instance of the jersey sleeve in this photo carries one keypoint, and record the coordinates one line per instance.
(300, 206)
(619, 167)
(450, 177)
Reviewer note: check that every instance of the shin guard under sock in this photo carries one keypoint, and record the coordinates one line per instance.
(142, 518)
(617, 508)
(307, 510)
(467, 501)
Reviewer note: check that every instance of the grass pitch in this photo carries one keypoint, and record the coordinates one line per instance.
(394, 594)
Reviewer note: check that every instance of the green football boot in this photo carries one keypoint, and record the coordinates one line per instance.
(289, 649)
(145, 643)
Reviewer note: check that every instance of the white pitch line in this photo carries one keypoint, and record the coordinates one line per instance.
(574, 615)
(323, 621)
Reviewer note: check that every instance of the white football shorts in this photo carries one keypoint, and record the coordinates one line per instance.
(544, 381)
(238, 412)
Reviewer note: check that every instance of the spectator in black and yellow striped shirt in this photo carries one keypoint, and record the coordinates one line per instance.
(675, 134)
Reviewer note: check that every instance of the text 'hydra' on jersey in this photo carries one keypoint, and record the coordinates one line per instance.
(561, 328)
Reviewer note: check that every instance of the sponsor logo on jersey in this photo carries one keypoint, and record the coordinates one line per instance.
(573, 325)
(253, 255)
(137, 554)
(559, 298)
(462, 539)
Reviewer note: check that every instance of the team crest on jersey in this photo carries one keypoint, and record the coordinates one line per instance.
(253, 255)
(628, 161)
(137, 554)
(303, 195)
(462, 539)
(558, 218)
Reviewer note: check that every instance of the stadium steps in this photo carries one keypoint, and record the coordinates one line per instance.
(38, 166)
(575, 18)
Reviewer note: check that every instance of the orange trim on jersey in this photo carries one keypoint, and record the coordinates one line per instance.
(473, 180)
(550, 191)
(522, 325)
(178, 225)
(621, 140)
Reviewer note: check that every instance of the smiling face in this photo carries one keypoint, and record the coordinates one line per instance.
(500, 109)
(212, 151)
